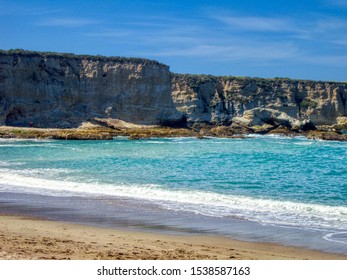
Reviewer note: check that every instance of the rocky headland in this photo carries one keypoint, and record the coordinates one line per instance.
(67, 96)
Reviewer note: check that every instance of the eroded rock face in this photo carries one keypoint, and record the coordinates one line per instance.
(64, 90)
(252, 101)
(53, 90)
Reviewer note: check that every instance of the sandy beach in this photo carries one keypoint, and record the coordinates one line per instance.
(31, 238)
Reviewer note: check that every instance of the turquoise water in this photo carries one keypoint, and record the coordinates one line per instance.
(273, 181)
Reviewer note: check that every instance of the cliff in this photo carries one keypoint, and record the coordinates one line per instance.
(64, 90)
(257, 102)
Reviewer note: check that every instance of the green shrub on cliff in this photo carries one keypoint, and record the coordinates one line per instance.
(308, 103)
(194, 80)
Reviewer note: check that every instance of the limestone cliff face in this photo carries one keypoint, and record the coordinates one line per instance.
(62, 90)
(253, 101)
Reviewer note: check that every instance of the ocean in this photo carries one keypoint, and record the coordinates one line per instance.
(291, 191)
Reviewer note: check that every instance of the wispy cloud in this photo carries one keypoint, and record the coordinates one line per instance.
(222, 39)
(327, 60)
(250, 23)
(342, 42)
(208, 41)
(163, 32)
(10, 8)
(323, 30)
(205, 39)
(234, 52)
(66, 22)
(109, 33)
(312, 27)
(338, 3)
(328, 24)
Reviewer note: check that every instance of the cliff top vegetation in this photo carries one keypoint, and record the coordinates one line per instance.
(197, 79)
(119, 59)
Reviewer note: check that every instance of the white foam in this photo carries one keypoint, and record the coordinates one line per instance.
(304, 143)
(27, 145)
(265, 211)
(334, 237)
(269, 136)
(14, 140)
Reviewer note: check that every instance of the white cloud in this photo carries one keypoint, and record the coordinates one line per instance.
(317, 27)
(262, 40)
(342, 42)
(326, 60)
(110, 33)
(328, 24)
(9, 8)
(339, 3)
(234, 52)
(66, 22)
(256, 23)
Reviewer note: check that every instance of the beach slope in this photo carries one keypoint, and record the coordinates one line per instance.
(30, 238)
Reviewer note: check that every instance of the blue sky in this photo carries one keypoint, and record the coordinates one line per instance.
(303, 39)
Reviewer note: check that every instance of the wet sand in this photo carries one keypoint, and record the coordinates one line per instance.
(31, 238)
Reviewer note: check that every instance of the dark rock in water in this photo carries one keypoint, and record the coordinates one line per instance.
(327, 135)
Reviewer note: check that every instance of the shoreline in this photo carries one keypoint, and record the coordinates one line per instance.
(26, 237)
(137, 215)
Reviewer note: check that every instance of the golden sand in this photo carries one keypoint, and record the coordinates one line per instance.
(29, 238)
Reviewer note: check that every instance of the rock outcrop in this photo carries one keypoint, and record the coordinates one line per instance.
(294, 104)
(64, 90)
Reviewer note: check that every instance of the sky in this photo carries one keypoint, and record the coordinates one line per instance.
(300, 39)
